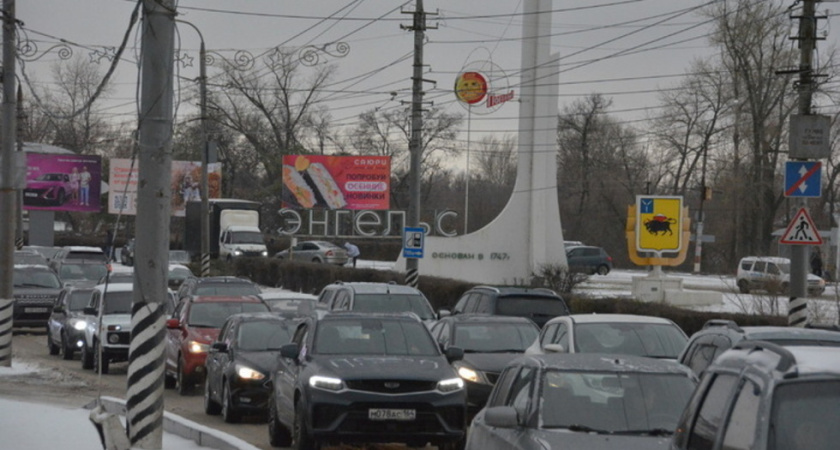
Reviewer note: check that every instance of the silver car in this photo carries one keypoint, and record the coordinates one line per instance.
(583, 401)
(321, 252)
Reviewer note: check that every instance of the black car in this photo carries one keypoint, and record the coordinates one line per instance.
(240, 363)
(537, 304)
(217, 286)
(489, 344)
(366, 378)
(35, 289)
(67, 323)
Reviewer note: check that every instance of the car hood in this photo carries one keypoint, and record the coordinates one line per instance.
(36, 293)
(264, 362)
(561, 438)
(360, 367)
(489, 362)
(203, 335)
(124, 320)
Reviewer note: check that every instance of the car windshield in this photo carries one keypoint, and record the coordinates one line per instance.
(83, 272)
(214, 314)
(262, 335)
(612, 402)
(28, 277)
(226, 289)
(528, 306)
(642, 339)
(118, 302)
(94, 256)
(246, 237)
(78, 300)
(179, 256)
(495, 337)
(391, 303)
(369, 336)
(804, 415)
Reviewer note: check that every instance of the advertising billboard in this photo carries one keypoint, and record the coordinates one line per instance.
(186, 185)
(62, 182)
(336, 182)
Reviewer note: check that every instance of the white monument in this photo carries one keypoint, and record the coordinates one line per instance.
(527, 234)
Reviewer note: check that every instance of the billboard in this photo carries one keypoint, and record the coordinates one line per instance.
(336, 182)
(186, 185)
(62, 182)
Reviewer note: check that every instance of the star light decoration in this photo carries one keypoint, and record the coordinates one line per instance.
(108, 53)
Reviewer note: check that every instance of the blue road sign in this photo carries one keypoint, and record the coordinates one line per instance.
(413, 240)
(803, 179)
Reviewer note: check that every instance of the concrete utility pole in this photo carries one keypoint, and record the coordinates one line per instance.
(798, 305)
(8, 186)
(415, 145)
(154, 196)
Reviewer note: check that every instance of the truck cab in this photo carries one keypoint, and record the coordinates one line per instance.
(241, 240)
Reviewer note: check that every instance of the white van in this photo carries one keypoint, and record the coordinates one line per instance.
(771, 274)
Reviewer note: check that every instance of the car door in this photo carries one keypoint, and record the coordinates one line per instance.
(515, 388)
(288, 369)
(557, 333)
(173, 338)
(218, 361)
(58, 318)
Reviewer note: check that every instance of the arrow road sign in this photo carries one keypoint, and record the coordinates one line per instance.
(801, 230)
(803, 179)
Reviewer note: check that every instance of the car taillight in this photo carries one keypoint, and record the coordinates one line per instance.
(609, 258)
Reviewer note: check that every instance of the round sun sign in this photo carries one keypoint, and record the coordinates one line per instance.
(471, 87)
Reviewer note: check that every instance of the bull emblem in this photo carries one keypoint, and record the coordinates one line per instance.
(660, 224)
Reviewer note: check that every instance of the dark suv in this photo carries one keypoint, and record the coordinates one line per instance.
(719, 335)
(376, 297)
(366, 378)
(588, 259)
(35, 289)
(762, 396)
(537, 304)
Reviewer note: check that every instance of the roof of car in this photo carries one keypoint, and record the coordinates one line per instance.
(291, 295)
(225, 299)
(775, 259)
(788, 362)
(615, 318)
(258, 316)
(603, 362)
(376, 288)
(767, 331)
(224, 279)
(115, 287)
(83, 248)
(487, 318)
(518, 290)
(339, 315)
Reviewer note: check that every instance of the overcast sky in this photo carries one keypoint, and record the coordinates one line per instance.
(624, 49)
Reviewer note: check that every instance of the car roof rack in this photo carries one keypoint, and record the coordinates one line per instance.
(726, 323)
(492, 288)
(786, 358)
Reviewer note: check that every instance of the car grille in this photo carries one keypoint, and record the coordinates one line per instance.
(391, 386)
(252, 253)
(356, 419)
(124, 337)
(34, 299)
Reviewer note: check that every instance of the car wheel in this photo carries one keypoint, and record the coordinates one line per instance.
(278, 435)
(87, 357)
(229, 412)
(129, 261)
(603, 269)
(66, 349)
(302, 439)
(183, 385)
(52, 346)
(457, 445)
(211, 407)
(100, 359)
(744, 286)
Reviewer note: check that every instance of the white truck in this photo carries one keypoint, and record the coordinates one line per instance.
(234, 229)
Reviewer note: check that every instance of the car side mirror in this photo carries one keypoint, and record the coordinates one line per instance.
(501, 417)
(173, 324)
(91, 311)
(58, 309)
(290, 351)
(454, 354)
(220, 347)
(444, 313)
(555, 348)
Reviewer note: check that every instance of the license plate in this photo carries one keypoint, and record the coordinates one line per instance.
(391, 414)
(35, 310)
(30, 194)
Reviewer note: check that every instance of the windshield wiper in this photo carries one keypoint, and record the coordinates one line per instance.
(506, 350)
(587, 429)
(649, 432)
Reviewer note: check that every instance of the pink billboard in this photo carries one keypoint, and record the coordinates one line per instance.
(62, 182)
(336, 182)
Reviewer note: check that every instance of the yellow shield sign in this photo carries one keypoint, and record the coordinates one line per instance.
(658, 223)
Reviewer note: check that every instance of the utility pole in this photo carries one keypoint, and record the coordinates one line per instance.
(154, 196)
(9, 185)
(21, 116)
(798, 305)
(415, 145)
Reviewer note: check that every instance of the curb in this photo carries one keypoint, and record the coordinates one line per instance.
(177, 425)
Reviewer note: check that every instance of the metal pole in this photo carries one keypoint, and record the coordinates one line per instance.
(467, 188)
(154, 196)
(19, 241)
(798, 305)
(8, 188)
(415, 143)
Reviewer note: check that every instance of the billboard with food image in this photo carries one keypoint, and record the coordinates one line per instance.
(336, 182)
(186, 185)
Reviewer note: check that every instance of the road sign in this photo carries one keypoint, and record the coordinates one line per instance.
(659, 223)
(803, 179)
(801, 230)
(413, 240)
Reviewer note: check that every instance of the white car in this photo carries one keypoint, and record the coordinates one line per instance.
(625, 334)
(771, 274)
(108, 333)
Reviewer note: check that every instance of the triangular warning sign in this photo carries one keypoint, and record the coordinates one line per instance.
(801, 230)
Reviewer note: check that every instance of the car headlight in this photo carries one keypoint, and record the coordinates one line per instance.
(248, 373)
(468, 374)
(450, 385)
(197, 347)
(237, 252)
(265, 253)
(328, 383)
(79, 325)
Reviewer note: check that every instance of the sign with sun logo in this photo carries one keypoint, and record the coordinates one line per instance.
(471, 87)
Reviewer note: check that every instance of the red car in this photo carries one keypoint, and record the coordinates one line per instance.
(47, 188)
(194, 325)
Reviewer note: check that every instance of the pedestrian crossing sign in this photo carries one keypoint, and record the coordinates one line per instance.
(801, 230)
